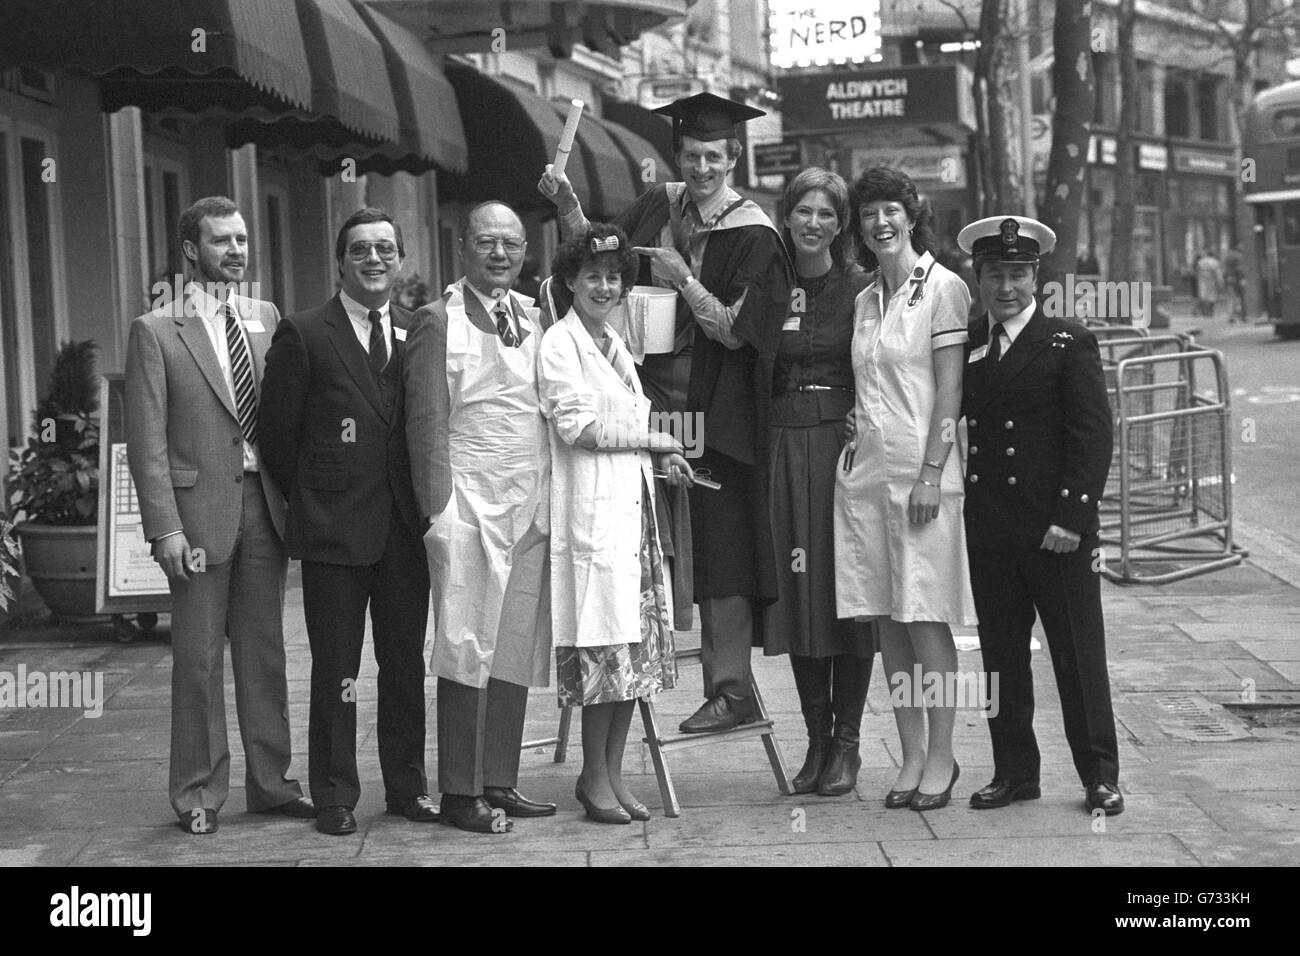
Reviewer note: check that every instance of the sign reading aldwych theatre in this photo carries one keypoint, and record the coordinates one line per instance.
(847, 99)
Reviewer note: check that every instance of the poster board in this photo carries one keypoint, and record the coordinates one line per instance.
(127, 579)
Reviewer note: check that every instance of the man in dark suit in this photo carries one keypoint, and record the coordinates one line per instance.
(1040, 433)
(193, 383)
(335, 440)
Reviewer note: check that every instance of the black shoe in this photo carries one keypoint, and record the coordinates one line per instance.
(299, 807)
(718, 714)
(1002, 792)
(472, 814)
(336, 821)
(418, 809)
(1104, 796)
(515, 804)
(600, 814)
(898, 799)
(199, 822)
(814, 765)
(934, 801)
(841, 773)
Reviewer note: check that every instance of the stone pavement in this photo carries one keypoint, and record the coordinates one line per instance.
(1204, 786)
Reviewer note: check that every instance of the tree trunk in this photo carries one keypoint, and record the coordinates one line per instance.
(1243, 94)
(990, 134)
(1121, 232)
(1073, 84)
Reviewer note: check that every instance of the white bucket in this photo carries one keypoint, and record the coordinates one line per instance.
(654, 311)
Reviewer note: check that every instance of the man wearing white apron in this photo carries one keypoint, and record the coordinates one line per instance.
(480, 465)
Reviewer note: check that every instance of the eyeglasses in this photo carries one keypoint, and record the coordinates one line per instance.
(360, 251)
(485, 244)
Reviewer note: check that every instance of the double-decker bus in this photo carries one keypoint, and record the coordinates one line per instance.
(1272, 140)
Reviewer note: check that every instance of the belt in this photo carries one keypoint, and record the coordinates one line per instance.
(818, 388)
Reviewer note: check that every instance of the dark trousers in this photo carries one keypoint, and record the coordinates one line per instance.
(479, 733)
(726, 636)
(335, 598)
(1009, 583)
(243, 598)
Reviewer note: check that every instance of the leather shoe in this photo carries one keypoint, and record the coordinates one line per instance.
(1104, 796)
(472, 814)
(299, 807)
(1002, 792)
(600, 814)
(897, 799)
(515, 804)
(814, 764)
(718, 714)
(336, 821)
(935, 801)
(199, 822)
(418, 809)
(636, 810)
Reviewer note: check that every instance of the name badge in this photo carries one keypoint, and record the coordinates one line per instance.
(791, 324)
(977, 354)
(254, 325)
(399, 334)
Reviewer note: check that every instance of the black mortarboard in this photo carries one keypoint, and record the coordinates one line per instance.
(707, 117)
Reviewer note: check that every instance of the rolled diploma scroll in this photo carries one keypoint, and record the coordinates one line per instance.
(566, 138)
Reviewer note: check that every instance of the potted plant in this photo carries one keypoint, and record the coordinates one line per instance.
(54, 486)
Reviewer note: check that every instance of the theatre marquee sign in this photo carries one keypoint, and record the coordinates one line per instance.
(844, 100)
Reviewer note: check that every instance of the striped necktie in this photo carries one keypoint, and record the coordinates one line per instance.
(241, 371)
(503, 327)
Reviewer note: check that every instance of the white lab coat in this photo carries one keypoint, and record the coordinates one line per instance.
(596, 496)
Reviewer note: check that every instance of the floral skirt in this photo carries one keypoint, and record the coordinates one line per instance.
(609, 675)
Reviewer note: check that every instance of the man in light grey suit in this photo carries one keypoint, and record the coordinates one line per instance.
(216, 525)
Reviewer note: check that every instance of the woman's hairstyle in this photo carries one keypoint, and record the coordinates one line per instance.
(886, 184)
(837, 190)
(602, 241)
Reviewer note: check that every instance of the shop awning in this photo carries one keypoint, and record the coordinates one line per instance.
(648, 126)
(512, 134)
(468, 26)
(348, 78)
(251, 52)
(426, 103)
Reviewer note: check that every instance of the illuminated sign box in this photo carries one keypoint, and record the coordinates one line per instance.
(847, 99)
(822, 32)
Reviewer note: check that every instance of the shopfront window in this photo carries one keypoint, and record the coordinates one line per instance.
(1291, 224)
(40, 260)
(1199, 218)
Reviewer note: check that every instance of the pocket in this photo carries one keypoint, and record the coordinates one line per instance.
(184, 477)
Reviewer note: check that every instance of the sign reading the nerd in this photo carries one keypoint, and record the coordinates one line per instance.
(820, 32)
(848, 99)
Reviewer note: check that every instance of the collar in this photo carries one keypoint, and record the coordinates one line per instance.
(1016, 324)
(712, 207)
(206, 306)
(489, 303)
(357, 312)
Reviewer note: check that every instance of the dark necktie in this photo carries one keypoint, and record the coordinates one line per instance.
(378, 357)
(503, 328)
(241, 372)
(995, 342)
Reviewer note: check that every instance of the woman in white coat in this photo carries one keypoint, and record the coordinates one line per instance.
(613, 640)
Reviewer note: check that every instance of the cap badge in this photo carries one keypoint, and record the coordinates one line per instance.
(1010, 232)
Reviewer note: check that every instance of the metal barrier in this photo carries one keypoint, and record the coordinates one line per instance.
(1172, 504)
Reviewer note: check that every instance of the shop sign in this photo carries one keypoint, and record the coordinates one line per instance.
(847, 99)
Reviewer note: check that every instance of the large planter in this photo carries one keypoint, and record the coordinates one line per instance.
(60, 560)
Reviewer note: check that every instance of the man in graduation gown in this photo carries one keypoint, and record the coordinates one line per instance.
(725, 259)
(1040, 432)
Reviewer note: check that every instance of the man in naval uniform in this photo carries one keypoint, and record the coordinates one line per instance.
(1040, 432)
